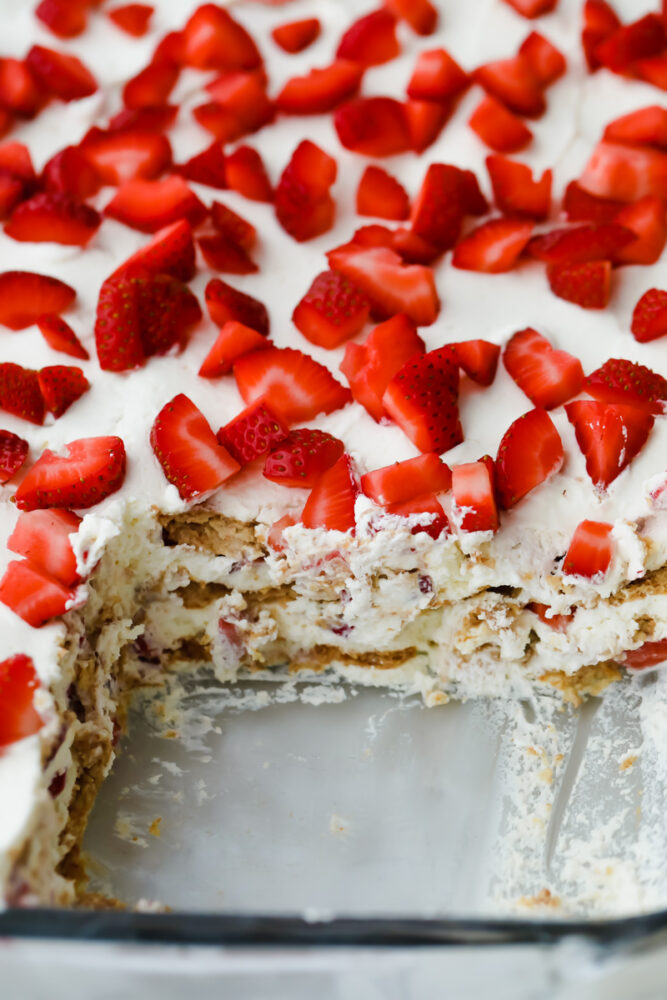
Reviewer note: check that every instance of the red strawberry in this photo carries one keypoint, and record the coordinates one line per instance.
(621, 381)
(371, 40)
(133, 18)
(477, 358)
(373, 126)
(331, 501)
(321, 90)
(212, 39)
(169, 49)
(653, 70)
(649, 319)
(245, 173)
(15, 158)
(243, 95)
(70, 172)
(294, 385)
(151, 87)
(391, 286)
(61, 385)
(546, 62)
(547, 376)
(421, 15)
(580, 244)
(20, 393)
(609, 436)
(639, 40)
(381, 195)
(296, 35)
(557, 622)
(153, 119)
(644, 127)
(529, 453)
(514, 84)
(626, 173)
(580, 206)
(429, 504)
(600, 22)
(20, 92)
(436, 77)
(440, 206)
(122, 156)
(187, 449)
(221, 254)
(225, 303)
(13, 453)
(331, 311)
(32, 595)
(425, 120)
(303, 205)
(171, 251)
(498, 128)
(252, 433)
(92, 470)
(422, 398)
(18, 716)
(302, 457)
(207, 167)
(532, 8)
(24, 296)
(43, 537)
(406, 480)
(649, 654)
(60, 74)
(65, 18)
(474, 507)
(233, 341)
(50, 217)
(117, 333)
(369, 367)
(12, 191)
(275, 535)
(151, 205)
(493, 247)
(587, 285)
(514, 190)
(590, 551)
(233, 226)
(646, 219)
(412, 248)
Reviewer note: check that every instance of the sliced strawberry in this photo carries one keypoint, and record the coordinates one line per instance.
(20, 393)
(600, 22)
(321, 90)
(18, 683)
(295, 36)
(369, 367)
(391, 286)
(212, 39)
(646, 219)
(371, 40)
(60, 336)
(302, 457)
(151, 87)
(169, 49)
(381, 195)
(61, 385)
(332, 498)
(15, 158)
(13, 453)
(474, 201)
(477, 358)
(60, 74)
(580, 244)
(233, 341)
(294, 385)
(406, 480)
(151, 205)
(152, 119)
(225, 303)
(545, 60)
(245, 173)
(425, 120)
(65, 18)
(590, 551)
(622, 381)
(644, 127)
(436, 77)
(373, 126)
(20, 92)
(275, 538)
(498, 128)
(529, 453)
(412, 248)
(493, 247)
(427, 503)
(303, 205)
(624, 172)
(609, 436)
(331, 311)
(532, 8)
(440, 206)
(43, 537)
(32, 595)
(639, 40)
(171, 251)
(514, 84)
(422, 398)
(580, 206)
(51, 217)
(207, 167)
(514, 190)
(122, 156)
(12, 191)
(24, 296)
(239, 105)
(652, 70)
(587, 285)
(421, 15)
(649, 319)
(547, 376)
(234, 227)
(649, 654)
(557, 622)
(92, 470)
(474, 507)
(117, 331)
(252, 433)
(71, 173)
(132, 18)
(221, 254)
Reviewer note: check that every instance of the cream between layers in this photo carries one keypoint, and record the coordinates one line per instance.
(521, 556)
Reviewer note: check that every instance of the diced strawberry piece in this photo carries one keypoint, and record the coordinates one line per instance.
(649, 654)
(557, 622)
(546, 62)
(15, 158)
(626, 173)
(152, 205)
(600, 22)
(233, 341)
(43, 537)
(296, 35)
(92, 470)
(547, 376)
(371, 40)
(493, 247)
(434, 525)
(151, 86)
(70, 172)
(32, 595)
(13, 453)
(514, 190)
(436, 77)
(649, 319)
(369, 367)
(590, 551)
(12, 191)
(529, 453)
(532, 8)
(474, 201)
(20, 392)
(60, 336)
(207, 167)
(644, 127)
(24, 296)
(577, 245)
(587, 285)
(422, 398)
(18, 683)
(171, 251)
(212, 39)
(149, 119)
(221, 254)
(406, 480)
(61, 385)
(53, 218)
(652, 70)
(294, 385)
(122, 156)
(225, 303)
(381, 195)
(425, 120)
(20, 92)
(391, 286)
(646, 218)
(440, 207)
(609, 436)
(233, 226)
(412, 248)
(275, 538)
(321, 90)
(331, 311)
(252, 433)
(514, 84)
(474, 507)
(373, 126)
(332, 498)
(65, 18)
(133, 18)
(622, 381)
(477, 358)
(187, 449)
(639, 40)
(580, 206)
(169, 49)
(240, 105)
(302, 457)
(303, 205)
(245, 173)
(60, 74)
(498, 128)
(421, 15)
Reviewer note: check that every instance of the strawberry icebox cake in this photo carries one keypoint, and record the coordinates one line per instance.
(334, 347)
